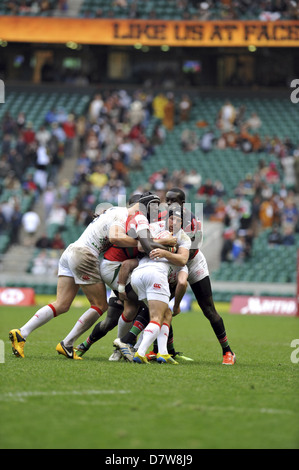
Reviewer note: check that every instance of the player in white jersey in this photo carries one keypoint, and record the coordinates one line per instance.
(199, 278)
(116, 259)
(150, 281)
(79, 267)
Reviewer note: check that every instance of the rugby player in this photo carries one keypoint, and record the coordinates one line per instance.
(199, 278)
(150, 281)
(79, 267)
(137, 226)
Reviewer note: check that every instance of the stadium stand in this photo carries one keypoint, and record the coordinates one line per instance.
(189, 9)
(131, 142)
(156, 9)
(31, 7)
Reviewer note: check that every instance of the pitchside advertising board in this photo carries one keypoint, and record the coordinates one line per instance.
(276, 306)
(17, 296)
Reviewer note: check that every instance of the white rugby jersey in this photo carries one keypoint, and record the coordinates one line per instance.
(163, 264)
(96, 234)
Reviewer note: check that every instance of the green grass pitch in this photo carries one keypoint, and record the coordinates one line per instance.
(49, 402)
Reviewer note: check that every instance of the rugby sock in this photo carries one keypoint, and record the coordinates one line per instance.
(220, 332)
(137, 327)
(42, 316)
(170, 343)
(150, 333)
(138, 342)
(124, 326)
(162, 339)
(83, 324)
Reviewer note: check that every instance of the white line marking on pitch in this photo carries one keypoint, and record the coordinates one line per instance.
(21, 396)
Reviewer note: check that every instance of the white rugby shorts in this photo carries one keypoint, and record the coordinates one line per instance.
(109, 273)
(150, 284)
(198, 268)
(81, 264)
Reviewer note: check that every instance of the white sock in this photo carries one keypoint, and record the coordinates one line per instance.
(138, 342)
(163, 338)
(83, 324)
(150, 333)
(42, 316)
(124, 326)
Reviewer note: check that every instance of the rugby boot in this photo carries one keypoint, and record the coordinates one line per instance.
(229, 359)
(165, 359)
(126, 349)
(67, 352)
(116, 356)
(17, 342)
(179, 356)
(140, 359)
(151, 356)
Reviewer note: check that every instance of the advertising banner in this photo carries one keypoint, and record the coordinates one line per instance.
(150, 32)
(17, 296)
(255, 305)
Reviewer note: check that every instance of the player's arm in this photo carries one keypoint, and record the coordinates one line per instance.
(180, 291)
(118, 237)
(126, 268)
(178, 259)
(148, 243)
(169, 241)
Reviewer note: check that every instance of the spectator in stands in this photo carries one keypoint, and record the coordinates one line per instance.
(288, 238)
(169, 112)
(30, 222)
(185, 106)
(208, 207)
(274, 238)
(238, 249)
(206, 189)
(49, 198)
(95, 108)
(267, 213)
(136, 113)
(43, 136)
(226, 250)
(57, 215)
(42, 165)
(192, 179)
(254, 122)
(69, 127)
(57, 243)
(272, 175)
(63, 5)
(43, 241)
(207, 141)
(189, 140)
(290, 213)
(159, 103)
(226, 117)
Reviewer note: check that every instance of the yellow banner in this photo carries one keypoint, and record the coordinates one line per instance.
(150, 32)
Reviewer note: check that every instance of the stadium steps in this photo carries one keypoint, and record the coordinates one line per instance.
(16, 259)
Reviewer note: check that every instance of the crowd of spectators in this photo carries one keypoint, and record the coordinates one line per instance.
(265, 10)
(262, 199)
(34, 7)
(111, 139)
